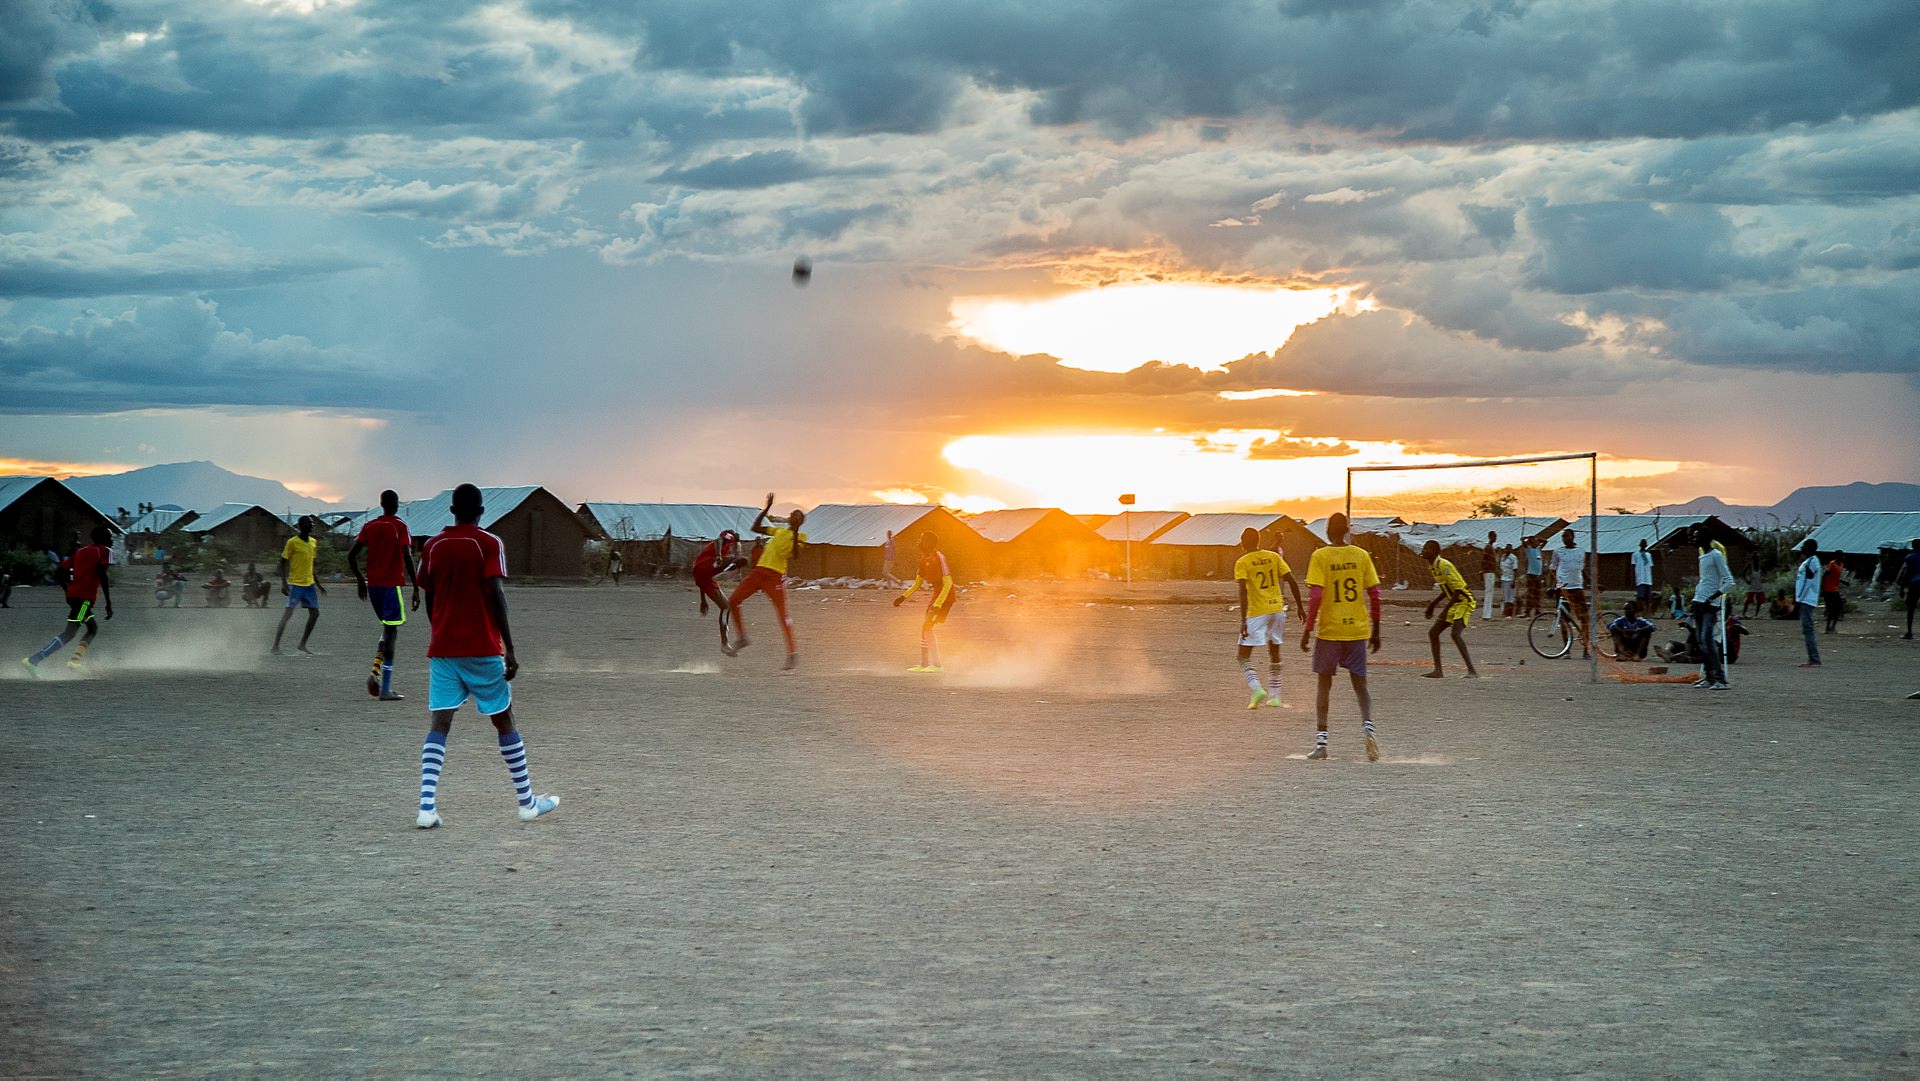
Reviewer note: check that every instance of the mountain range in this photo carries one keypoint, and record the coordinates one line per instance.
(1806, 505)
(199, 486)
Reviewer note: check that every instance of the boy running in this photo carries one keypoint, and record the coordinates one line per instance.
(1348, 624)
(715, 559)
(769, 576)
(1257, 575)
(933, 569)
(88, 570)
(1453, 590)
(389, 549)
(470, 651)
(298, 584)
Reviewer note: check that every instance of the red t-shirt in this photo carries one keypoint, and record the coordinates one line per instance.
(386, 540)
(456, 568)
(87, 564)
(708, 561)
(1830, 581)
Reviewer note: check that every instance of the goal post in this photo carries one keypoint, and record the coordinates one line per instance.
(1395, 509)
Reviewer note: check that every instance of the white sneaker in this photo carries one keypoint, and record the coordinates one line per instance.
(427, 820)
(541, 805)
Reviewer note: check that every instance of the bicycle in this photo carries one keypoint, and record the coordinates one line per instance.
(1552, 635)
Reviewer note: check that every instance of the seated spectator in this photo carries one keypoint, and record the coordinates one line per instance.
(216, 588)
(1687, 652)
(1736, 630)
(167, 587)
(1631, 633)
(253, 588)
(1781, 606)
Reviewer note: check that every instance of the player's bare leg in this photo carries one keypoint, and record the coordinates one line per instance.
(1433, 642)
(313, 617)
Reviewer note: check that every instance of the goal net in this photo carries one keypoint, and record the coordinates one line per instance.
(1524, 503)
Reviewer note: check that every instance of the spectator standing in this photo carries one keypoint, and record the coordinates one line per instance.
(1535, 565)
(1509, 566)
(1489, 569)
(1910, 582)
(1643, 575)
(1830, 593)
(1806, 600)
(1709, 601)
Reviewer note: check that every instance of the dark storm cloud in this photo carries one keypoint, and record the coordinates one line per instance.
(176, 352)
(1860, 329)
(83, 273)
(1594, 247)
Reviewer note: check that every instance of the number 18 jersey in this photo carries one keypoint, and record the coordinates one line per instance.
(1344, 573)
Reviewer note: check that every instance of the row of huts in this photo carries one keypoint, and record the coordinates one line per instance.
(547, 538)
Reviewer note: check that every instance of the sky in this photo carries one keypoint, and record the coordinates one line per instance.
(1210, 253)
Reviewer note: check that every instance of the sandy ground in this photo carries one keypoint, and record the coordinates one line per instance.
(1075, 854)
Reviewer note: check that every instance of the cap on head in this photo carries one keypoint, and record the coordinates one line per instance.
(467, 504)
(389, 501)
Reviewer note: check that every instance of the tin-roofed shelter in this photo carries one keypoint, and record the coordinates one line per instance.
(1041, 541)
(42, 514)
(1675, 560)
(252, 530)
(650, 536)
(1206, 545)
(542, 535)
(1872, 545)
(846, 540)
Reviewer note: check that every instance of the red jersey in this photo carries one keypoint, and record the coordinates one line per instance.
(1830, 581)
(457, 567)
(87, 565)
(708, 561)
(386, 540)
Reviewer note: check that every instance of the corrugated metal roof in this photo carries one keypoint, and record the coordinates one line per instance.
(863, 525)
(1358, 525)
(1140, 525)
(1508, 532)
(425, 517)
(12, 488)
(689, 521)
(157, 520)
(1621, 533)
(221, 515)
(1219, 530)
(1865, 532)
(1001, 526)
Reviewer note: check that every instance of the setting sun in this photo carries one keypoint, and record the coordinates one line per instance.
(1121, 327)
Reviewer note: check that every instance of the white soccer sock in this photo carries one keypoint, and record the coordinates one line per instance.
(1247, 673)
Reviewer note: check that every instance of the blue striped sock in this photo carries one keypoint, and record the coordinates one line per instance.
(433, 757)
(386, 678)
(514, 753)
(49, 649)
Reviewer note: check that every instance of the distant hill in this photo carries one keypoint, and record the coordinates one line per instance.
(1807, 504)
(199, 486)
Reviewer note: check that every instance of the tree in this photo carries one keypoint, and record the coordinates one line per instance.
(1500, 506)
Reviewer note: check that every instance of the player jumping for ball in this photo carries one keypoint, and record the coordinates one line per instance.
(937, 577)
(769, 576)
(389, 549)
(298, 583)
(717, 558)
(469, 651)
(88, 570)
(1453, 590)
(1258, 575)
(1344, 608)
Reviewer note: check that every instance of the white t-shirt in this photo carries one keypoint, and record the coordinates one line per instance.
(1509, 563)
(1806, 582)
(1714, 578)
(1642, 568)
(1570, 568)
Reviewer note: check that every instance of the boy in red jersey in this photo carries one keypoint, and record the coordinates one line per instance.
(389, 549)
(718, 557)
(469, 651)
(769, 576)
(938, 578)
(87, 570)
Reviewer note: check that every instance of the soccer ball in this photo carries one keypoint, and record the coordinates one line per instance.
(802, 271)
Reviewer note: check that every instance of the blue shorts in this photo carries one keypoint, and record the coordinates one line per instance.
(387, 606)
(452, 680)
(303, 596)
(1330, 657)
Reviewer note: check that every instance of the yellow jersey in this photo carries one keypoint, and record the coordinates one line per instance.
(1447, 577)
(779, 550)
(299, 555)
(1344, 573)
(1263, 572)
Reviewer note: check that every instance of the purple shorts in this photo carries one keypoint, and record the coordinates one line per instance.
(1330, 657)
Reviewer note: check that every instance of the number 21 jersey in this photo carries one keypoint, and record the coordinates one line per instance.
(1344, 573)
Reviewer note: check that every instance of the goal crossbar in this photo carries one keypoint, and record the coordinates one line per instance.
(1473, 462)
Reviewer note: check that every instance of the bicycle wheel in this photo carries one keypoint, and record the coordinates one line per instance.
(1604, 639)
(1547, 636)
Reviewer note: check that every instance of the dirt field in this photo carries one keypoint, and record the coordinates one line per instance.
(1075, 854)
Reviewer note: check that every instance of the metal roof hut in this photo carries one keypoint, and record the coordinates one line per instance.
(1675, 559)
(253, 531)
(1464, 542)
(1133, 530)
(41, 514)
(1207, 545)
(542, 535)
(652, 536)
(846, 540)
(1041, 542)
(1871, 544)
